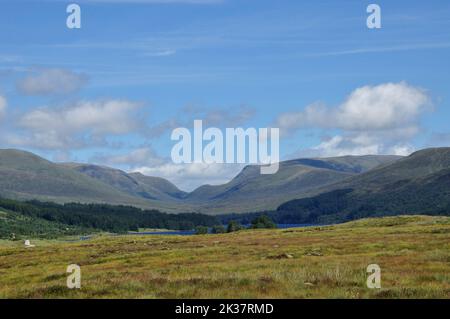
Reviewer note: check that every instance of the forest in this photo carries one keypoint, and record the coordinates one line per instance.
(100, 217)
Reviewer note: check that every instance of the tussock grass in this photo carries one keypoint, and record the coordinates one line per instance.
(324, 262)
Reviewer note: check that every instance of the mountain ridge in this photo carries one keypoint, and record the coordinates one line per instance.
(25, 176)
(416, 184)
(295, 178)
(248, 191)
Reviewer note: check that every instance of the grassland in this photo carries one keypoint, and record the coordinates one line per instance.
(316, 262)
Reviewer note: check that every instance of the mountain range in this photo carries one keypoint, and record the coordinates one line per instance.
(357, 180)
(417, 184)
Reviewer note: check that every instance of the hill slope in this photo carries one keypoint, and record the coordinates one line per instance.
(417, 184)
(304, 190)
(24, 175)
(250, 191)
(134, 184)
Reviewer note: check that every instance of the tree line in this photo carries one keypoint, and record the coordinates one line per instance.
(117, 219)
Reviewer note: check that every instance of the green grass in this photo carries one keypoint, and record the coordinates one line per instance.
(327, 262)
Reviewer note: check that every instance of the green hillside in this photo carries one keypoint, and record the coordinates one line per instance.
(134, 184)
(35, 219)
(250, 191)
(417, 184)
(25, 176)
(16, 226)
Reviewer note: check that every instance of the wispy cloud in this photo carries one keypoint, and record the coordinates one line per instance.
(160, 53)
(380, 49)
(51, 81)
(9, 58)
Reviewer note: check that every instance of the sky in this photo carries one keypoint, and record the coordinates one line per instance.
(111, 92)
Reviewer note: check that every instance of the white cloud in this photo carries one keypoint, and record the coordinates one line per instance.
(369, 108)
(86, 123)
(340, 146)
(51, 81)
(386, 106)
(190, 176)
(402, 150)
(217, 117)
(314, 115)
(142, 156)
(358, 144)
(186, 176)
(372, 120)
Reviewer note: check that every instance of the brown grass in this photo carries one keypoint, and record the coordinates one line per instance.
(313, 262)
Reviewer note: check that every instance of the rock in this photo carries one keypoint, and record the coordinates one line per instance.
(313, 253)
(282, 256)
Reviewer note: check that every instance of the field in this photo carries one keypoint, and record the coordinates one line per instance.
(315, 262)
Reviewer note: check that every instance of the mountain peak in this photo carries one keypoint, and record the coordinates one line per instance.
(25, 175)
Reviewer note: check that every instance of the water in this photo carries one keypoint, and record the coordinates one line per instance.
(189, 232)
(175, 232)
(192, 232)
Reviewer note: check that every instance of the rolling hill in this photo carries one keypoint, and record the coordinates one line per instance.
(24, 175)
(326, 190)
(134, 184)
(417, 184)
(250, 191)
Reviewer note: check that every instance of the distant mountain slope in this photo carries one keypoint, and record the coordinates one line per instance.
(24, 175)
(134, 184)
(158, 184)
(250, 191)
(417, 184)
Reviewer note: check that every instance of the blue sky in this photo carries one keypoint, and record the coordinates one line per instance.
(111, 92)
